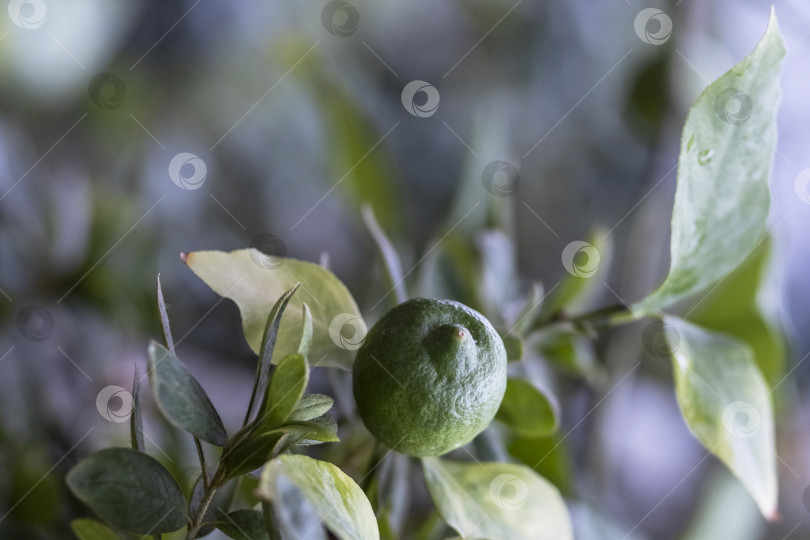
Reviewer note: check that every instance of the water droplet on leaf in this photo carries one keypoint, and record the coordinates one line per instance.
(705, 156)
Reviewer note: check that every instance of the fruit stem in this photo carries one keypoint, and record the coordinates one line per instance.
(606, 317)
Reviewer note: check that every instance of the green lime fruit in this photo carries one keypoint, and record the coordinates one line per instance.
(429, 377)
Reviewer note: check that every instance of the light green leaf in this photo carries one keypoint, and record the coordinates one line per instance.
(306, 332)
(90, 529)
(734, 308)
(180, 397)
(390, 258)
(497, 500)
(335, 497)
(130, 490)
(245, 524)
(526, 410)
(255, 286)
(722, 199)
(586, 265)
(311, 406)
(727, 405)
(269, 337)
(284, 392)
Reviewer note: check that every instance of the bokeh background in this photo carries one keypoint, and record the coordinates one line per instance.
(287, 117)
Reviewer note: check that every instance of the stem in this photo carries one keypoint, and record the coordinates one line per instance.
(598, 318)
(208, 496)
(203, 466)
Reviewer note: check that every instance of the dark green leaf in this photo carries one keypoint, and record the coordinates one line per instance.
(722, 200)
(497, 500)
(727, 405)
(90, 529)
(135, 421)
(180, 397)
(243, 524)
(514, 347)
(266, 351)
(255, 287)
(335, 497)
(130, 490)
(526, 410)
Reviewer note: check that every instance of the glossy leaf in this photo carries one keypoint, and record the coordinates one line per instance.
(737, 307)
(243, 524)
(90, 529)
(285, 391)
(335, 497)
(497, 500)
(130, 490)
(526, 410)
(269, 337)
(255, 287)
(722, 199)
(390, 258)
(180, 397)
(727, 405)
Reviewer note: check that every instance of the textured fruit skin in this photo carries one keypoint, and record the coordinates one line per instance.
(429, 376)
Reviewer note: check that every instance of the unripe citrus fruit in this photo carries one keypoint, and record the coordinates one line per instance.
(429, 376)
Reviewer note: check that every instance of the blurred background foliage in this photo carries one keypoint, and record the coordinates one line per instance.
(299, 121)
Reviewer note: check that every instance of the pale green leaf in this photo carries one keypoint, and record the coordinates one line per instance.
(390, 258)
(90, 529)
(727, 405)
(526, 410)
(335, 497)
(734, 307)
(130, 490)
(722, 200)
(497, 500)
(311, 406)
(180, 397)
(255, 287)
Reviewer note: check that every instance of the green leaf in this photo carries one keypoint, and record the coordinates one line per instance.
(284, 392)
(130, 490)
(241, 276)
(548, 456)
(90, 529)
(734, 308)
(581, 281)
(306, 333)
(514, 347)
(390, 258)
(311, 406)
(243, 524)
(727, 405)
(164, 317)
(335, 497)
(135, 420)
(249, 450)
(497, 500)
(180, 397)
(266, 351)
(526, 410)
(722, 199)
